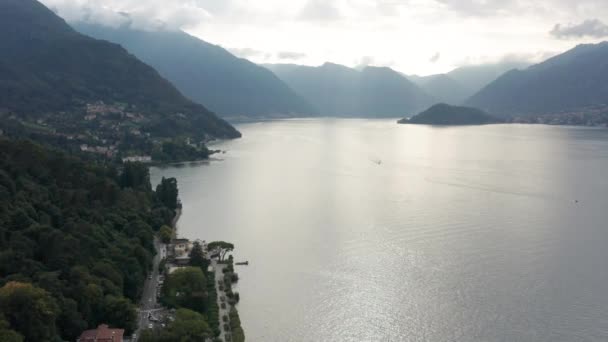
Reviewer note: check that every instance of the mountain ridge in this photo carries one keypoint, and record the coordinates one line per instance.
(53, 68)
(456, 86)
(338, 90)
(575, 79)
(207, 73)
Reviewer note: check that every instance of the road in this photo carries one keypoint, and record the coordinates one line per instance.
(148, 302)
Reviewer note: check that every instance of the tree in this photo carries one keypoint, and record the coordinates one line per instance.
(167, 192)
(187, 288)
(197, 257)
(165, 234)
(80, 233)
(221, 248)
(8, 335)
(135, 175)
(29, 310)
(119, 312)
(189, 326)
(238, 335)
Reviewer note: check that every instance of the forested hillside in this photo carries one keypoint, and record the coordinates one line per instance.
(76, 242)
(230, 86)
(69, 84)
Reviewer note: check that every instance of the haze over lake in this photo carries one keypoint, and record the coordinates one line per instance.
(365, 230)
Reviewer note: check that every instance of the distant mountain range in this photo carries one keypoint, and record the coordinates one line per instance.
(206, 73)
(576, 79)
(458, 85)
(48, 67)
(443, 88)
(447, 115)
(340, 91)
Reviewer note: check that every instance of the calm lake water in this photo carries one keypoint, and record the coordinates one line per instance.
(365, 230)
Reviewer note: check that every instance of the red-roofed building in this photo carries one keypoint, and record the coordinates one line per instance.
(103, 333)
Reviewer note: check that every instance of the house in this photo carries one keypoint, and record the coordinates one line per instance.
(182, 248)
(103, 333)
(181, 251)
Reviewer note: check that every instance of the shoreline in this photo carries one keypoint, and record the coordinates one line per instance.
(227, 311)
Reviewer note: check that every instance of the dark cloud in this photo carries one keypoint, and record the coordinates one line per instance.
(589, 28)
(291, 55)
(320, 10)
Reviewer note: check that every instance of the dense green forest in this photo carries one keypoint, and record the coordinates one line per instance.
(76, 241)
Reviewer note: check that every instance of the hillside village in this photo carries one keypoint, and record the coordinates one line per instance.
(111, 130)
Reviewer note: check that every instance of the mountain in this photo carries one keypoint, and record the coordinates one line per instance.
(206, 73)
(337, 90)
(475, 77)
(458, 85)
(442, 87)
(443, 114)
(52, 73)
(573, 80)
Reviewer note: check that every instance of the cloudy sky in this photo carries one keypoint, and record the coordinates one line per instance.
(413, 36)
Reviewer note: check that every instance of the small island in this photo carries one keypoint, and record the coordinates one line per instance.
(447, 115)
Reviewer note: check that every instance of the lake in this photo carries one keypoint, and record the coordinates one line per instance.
(365, 230)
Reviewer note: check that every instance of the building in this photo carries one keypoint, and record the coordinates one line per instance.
(182, 248)
(135, 159)
(103, 333)
(181, 251)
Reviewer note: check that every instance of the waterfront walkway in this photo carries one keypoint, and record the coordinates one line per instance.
(219, 278)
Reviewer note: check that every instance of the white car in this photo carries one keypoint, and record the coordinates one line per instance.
(150, 326)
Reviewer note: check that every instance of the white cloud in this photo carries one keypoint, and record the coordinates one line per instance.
(366, 61)
(320, 11)
(291, 55)
(250, 53)
(435, 58)
(588, 28)
(401, 33)
(143, 14)
(480, 7)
